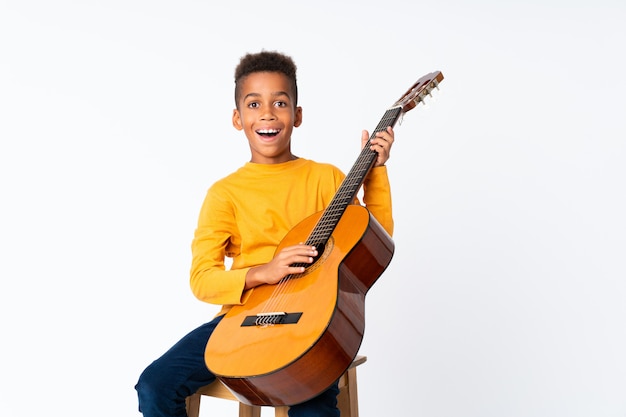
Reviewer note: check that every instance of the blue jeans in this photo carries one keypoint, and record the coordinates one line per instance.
(165, 384)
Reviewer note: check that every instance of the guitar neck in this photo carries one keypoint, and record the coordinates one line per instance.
(351, 184)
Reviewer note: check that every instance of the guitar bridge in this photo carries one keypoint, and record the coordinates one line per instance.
(269, 319)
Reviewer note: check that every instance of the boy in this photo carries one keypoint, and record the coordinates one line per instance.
(244, 217)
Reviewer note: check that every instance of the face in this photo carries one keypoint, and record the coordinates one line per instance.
(267, 114)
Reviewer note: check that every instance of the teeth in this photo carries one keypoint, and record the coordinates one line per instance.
(267, 131)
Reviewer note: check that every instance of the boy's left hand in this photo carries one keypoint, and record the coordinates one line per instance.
(381, 144)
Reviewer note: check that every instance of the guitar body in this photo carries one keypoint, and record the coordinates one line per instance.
(288, 363)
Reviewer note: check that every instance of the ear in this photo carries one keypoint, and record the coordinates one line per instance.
(237, 120)
(298, 117)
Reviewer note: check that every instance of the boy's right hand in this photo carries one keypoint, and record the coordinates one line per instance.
(281, 265)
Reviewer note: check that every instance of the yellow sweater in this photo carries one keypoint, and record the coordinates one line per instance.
(246, 214)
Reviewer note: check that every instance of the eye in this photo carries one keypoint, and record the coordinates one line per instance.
(253, 105)
(281, 104)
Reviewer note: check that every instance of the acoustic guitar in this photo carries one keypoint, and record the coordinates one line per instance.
(291, 341)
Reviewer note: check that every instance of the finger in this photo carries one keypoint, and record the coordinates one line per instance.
(304, 254)
(380, 145)
(387, 134)
(364, 137)
(382, 149)
(299, 248)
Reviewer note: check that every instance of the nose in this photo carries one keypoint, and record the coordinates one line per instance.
(268, 113)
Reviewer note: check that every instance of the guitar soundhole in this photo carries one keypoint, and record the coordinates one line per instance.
(323, 250)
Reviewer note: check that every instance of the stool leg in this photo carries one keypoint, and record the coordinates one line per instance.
(281, 411)
(246, 410)
(193, 405)
(348, 400)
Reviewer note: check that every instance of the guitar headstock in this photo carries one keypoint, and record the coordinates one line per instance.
(418, 91)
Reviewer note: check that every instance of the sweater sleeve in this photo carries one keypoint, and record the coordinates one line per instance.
(377, 197)
(209, 279)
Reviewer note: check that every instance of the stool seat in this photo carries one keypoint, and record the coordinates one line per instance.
(347, 400)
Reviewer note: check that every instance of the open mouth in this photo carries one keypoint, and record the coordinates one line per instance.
(268, 133)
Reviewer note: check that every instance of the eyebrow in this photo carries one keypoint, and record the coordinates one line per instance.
(276, 94)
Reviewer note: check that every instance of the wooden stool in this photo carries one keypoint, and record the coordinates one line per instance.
(347, 400)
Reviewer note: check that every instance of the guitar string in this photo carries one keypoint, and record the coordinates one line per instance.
(348, 190)
(319, 237)
(331, 216)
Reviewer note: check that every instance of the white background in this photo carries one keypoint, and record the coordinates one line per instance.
(506, 294)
